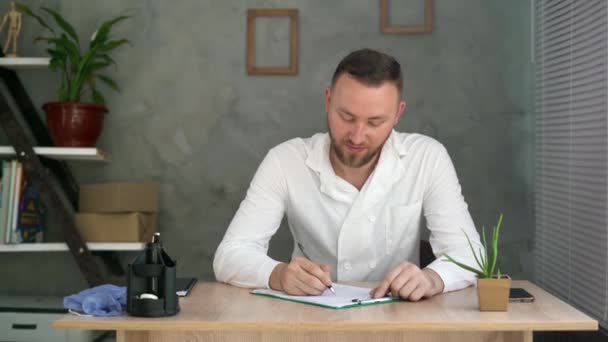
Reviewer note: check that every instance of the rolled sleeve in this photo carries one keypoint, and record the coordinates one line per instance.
(453, 277)
(448, 219)
(241, 258)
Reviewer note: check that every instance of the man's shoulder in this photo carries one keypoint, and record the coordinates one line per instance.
(406, 143)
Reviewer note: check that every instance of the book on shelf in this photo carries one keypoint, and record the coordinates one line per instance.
(15, 238)
(9, 204)
(32, 215)
(4, 198)
(22, 213)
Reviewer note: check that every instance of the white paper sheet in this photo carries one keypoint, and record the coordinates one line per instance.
(346, 296)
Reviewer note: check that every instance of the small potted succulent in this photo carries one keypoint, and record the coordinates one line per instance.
(492, 287)
(71, 121)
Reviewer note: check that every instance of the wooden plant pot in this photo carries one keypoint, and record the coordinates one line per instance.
(493, 293)
(74, 124)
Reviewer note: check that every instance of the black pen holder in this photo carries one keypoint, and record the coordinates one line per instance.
(151, 283)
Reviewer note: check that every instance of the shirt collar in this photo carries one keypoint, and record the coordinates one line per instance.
(318, 153)
(388, 170)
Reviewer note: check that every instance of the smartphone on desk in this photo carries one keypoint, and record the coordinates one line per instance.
(519, 295)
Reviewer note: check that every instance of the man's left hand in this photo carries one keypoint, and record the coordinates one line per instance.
(408, 281)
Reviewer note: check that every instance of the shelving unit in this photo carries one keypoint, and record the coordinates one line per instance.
(62, 247)
(38, 157)
(63, 153)
(24, 62)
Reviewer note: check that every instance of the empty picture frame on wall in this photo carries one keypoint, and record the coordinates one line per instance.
(292, 69)
(426, 27)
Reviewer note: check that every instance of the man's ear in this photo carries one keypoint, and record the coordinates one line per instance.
(399, 111)
(327, 98)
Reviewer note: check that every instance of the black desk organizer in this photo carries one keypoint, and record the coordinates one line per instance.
(152, 273)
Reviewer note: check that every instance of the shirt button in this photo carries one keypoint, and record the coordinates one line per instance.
(372, 264)
(347, 266)
(372, 218)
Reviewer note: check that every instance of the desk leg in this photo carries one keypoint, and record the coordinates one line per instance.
(337, 336)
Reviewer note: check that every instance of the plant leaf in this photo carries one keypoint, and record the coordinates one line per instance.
(65, 26)
(484, 262)
(78, 69)
(109, 82)
(64, 92)
(64, 44)
(80, 73)
(97, 97)
(473, 250)
(104, 30)
(56, 64)
(495, 234)
(485, 247)
(28, 11)
(55, 54)
(106, 58)
(111, 45)
(466, 267)
(96, 66)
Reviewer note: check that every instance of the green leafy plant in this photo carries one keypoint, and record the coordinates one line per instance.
(485, 260)
(78, 66)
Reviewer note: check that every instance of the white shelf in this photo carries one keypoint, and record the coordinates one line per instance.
(60, 247)
(64, 153)
(24, 62)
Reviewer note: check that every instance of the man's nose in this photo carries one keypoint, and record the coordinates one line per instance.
(358, 133)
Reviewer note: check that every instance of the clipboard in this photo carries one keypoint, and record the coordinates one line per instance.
(346, 297)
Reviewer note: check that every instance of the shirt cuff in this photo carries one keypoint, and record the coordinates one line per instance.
(454, 278)
(265, 271)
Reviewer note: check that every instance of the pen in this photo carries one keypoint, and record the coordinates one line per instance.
(331, 288)
(370, 300)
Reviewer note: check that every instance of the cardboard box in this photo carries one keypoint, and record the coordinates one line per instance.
(120, 227)
(119, 197)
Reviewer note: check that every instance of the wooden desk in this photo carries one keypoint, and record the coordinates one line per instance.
(219, 312)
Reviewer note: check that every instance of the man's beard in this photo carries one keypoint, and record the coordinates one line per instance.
(352, 160)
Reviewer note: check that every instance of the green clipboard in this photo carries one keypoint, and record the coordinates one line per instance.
(346, 297)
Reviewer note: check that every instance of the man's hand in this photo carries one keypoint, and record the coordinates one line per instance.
(408, 281)
(300, 277)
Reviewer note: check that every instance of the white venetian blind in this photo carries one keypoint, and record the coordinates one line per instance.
(571, 92)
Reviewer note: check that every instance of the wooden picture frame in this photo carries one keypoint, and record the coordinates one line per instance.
(426, 27)
(292, 69)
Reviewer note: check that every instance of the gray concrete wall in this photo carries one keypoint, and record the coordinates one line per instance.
(191, 118)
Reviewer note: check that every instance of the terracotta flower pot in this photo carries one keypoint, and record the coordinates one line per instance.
(74, 124)
(493, 293)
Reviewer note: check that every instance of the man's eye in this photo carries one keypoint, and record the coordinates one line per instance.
(347, 118)
(375, 123)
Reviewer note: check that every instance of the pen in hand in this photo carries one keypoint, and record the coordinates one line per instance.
(331, 288)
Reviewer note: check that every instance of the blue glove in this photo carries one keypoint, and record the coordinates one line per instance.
(102, 300)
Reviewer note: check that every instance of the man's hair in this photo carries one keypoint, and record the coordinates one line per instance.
(370, 67)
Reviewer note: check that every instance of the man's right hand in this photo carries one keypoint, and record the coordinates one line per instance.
(300, 277)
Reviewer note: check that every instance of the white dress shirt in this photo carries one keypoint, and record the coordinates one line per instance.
(361, 235)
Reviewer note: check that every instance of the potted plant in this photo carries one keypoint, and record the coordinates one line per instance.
(70, 120)
(492, 287)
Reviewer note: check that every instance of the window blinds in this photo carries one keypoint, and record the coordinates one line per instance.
(571, 92)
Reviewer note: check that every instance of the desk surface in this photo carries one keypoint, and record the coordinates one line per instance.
(214, 306)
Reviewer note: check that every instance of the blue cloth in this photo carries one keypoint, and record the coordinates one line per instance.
(102, 300)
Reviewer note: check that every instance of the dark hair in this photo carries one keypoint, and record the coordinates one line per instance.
(370, 67)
